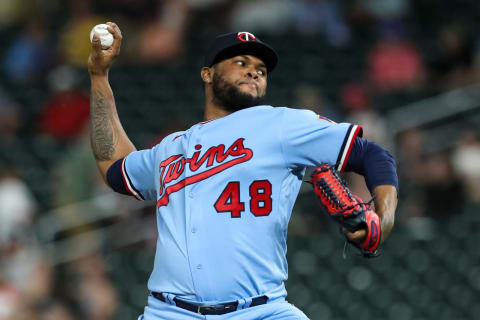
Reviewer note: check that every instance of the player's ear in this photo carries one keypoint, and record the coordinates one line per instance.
(207, 74)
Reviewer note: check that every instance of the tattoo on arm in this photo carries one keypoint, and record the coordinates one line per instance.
(102, 131)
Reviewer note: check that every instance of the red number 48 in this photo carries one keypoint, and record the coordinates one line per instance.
(260, 199)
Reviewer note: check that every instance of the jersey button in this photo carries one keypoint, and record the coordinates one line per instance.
(191, 194)
(194, 230)
(199, 266)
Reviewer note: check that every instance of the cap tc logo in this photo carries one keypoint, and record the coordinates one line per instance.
(245, 36)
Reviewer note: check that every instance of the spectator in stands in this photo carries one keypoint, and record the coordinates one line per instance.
(218, 12)
(29, 55)
(395, 64)
(10, 299)
(74, 46)
(74, 179)
(14, 12)
(444, 194)
(9, 118)
(156, 28)
(54, 310)
(386, 10)
(312, 17)
(162, 38)
(466, 162)
(66, 111)
(93, 291)
(265, 16)
(374, 18)
(452, 63)
(17, 206)
(204, 4)
(25, 275)
(432, 188)
(410, 147)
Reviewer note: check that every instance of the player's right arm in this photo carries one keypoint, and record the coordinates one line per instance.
(108, 139)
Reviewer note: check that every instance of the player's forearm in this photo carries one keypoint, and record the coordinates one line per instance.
(385, 206)
(108, 139)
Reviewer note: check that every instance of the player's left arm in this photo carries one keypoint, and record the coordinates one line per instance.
(379, 170)
(308, 139)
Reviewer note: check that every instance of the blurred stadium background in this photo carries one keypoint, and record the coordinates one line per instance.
(408, 71)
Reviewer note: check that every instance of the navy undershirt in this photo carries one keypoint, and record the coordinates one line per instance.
(373, 162)
(115, 178)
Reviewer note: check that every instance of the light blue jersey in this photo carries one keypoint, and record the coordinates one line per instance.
(225, 190)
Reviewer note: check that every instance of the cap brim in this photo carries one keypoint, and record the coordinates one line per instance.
(257, 49)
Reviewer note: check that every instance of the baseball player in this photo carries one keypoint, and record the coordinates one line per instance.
(224, 189)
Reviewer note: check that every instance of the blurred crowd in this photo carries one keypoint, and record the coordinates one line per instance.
(45, 161)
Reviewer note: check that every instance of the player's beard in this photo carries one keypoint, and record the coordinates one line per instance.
(232, 98)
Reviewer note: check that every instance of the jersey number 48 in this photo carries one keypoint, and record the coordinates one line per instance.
(260, 199)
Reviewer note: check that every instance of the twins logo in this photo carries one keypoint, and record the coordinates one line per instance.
(245, 36)
(217, 159)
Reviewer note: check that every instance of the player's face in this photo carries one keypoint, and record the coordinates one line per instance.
(248, 73)
(240, 82)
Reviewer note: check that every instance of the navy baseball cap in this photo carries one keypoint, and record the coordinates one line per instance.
(234, 44)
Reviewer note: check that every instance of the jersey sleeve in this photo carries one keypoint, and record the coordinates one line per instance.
(309, 139)
(138, 172)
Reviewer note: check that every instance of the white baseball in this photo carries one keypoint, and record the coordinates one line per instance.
(106, 38)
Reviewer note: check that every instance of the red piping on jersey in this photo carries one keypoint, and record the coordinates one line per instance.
(350, 146)
(207, 121)
(127, 183)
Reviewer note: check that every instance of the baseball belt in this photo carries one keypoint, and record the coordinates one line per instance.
(211, 310)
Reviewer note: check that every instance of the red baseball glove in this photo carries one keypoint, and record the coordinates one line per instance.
(346, 209)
